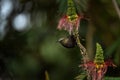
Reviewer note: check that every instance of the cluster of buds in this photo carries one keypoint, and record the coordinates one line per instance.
(96, 69)
(71, 20)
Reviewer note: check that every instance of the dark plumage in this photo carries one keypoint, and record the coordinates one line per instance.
(68, 42)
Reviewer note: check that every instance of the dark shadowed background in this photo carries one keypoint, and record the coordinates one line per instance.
(29, 45)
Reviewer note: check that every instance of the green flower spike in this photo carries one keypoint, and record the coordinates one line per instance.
(99, 58)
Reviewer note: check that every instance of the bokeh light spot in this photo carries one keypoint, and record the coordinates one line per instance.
(6, 8)
(21, 22)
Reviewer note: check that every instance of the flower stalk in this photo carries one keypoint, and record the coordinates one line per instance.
(96, 69)
(70, 22)
(83, 50)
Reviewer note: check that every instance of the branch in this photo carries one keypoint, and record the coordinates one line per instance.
(82, 48)
(83, 51)
(116, 7)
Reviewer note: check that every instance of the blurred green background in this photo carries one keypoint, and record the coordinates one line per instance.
(28, 38)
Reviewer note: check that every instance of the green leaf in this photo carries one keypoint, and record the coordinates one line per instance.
(112, 78)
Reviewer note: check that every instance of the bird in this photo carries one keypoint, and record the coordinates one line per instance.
(68, 42)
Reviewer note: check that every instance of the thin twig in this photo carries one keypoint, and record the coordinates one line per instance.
(82, 48)
(116, 7)
(83, 51)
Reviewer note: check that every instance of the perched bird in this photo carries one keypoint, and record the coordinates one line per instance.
(68, 42)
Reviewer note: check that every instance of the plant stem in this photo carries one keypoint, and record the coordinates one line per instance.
(83, 52)
(82, 48)
(116, 7)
